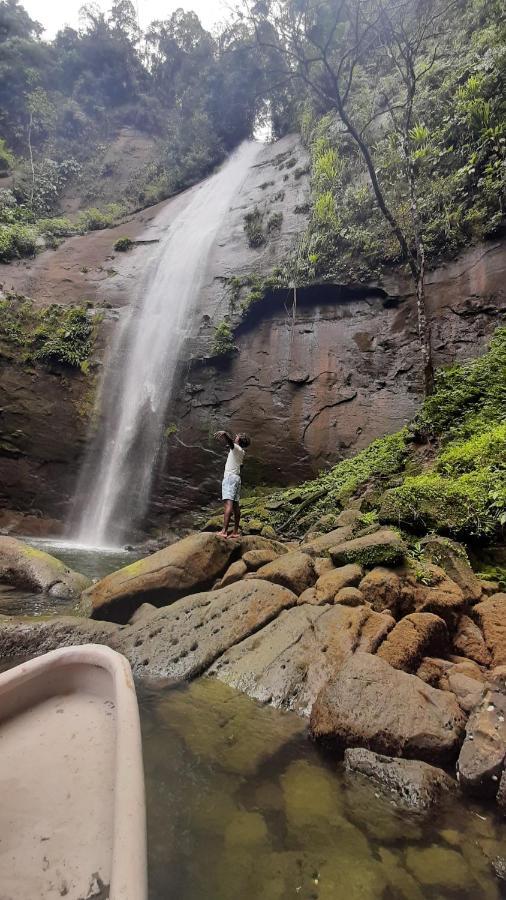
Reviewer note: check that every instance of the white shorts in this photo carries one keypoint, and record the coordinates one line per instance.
(231, 487)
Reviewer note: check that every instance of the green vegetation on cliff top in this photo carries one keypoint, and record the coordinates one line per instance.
(445, 472)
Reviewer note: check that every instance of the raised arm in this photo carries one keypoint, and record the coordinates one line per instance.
(224, 436)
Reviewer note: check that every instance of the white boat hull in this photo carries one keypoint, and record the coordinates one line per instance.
(72, 808)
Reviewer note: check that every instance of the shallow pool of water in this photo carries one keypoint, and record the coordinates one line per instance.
(242, 806)
(94, 563)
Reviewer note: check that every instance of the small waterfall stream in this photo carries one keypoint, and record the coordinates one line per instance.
(117, 475)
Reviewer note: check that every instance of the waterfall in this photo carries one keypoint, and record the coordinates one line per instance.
(117, 475)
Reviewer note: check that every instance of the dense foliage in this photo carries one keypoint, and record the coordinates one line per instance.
(61, 335)
(63, 102)
(446, 471)
(456, 146)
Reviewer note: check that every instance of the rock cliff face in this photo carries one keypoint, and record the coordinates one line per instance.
(311, 385)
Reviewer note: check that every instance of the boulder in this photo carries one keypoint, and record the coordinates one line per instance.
(143, 614)
(331, 582)
(26, 567)
(324, 542)
(414, 784)
(188, 565)
(184, 639)
(443, 596)
(490, 587)
(370, 704)
(234, 572)
(253, 559)
(452, 557)
(490, 615)
(249, 542)
(350, 596)
(289, 661)
(382, 588)
(483, 752)
(22, 638)
(468, 690)
(384, 547)
(322, 564)
(432, 670)
(293, 570)
(468, 641)
(412, 638)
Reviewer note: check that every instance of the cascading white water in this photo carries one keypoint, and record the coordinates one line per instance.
(116, 479)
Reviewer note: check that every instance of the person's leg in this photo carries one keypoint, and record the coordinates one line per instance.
(237, 518)
(227, 515)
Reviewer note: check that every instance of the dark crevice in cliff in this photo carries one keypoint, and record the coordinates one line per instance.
(281, 300)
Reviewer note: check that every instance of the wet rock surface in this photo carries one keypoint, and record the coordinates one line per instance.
(190, 564)
(26, 567)
(414, 784)
(370, 704)
(483, 754)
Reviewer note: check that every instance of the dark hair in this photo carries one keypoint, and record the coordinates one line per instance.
(243, 440)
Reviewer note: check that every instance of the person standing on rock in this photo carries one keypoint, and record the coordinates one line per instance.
(231, 485)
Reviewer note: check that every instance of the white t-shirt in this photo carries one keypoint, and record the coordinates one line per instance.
(235, 460)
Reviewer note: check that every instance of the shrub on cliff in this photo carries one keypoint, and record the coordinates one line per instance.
(17, 240)
(51, 334)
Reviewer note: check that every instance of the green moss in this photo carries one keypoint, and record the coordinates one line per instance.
(368, 557)
(459, 506)
(123, 244)
(17, 241)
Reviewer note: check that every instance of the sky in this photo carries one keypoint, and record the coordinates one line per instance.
(57, 13)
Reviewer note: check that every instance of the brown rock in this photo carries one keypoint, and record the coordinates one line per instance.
(188, 565)
(249, 542)
(490, 587)
(322, 564)
(412, 638)
(21, 638)
(293, 570)
(433, 670)
(350, 596)
(288, 662)
(483, 752)
(414, 784)
(331, 582)
(311, 597)
(234, 572)
(452, 557)
(490, 615)
(321, 544)
(467, 690)
(382, 588)
(143, 614)
(444, 598)
(383, 547)
(253, 559)
(469, 642)
(370, 704)
(25, 567)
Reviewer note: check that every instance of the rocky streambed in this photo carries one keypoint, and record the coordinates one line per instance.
(399, 672)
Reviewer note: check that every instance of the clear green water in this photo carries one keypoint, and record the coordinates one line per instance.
(242, 806)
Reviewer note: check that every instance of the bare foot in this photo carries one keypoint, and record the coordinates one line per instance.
(223, 534)
(235, 534)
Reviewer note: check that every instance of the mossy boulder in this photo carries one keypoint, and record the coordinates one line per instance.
(383, 548)
(26, 567)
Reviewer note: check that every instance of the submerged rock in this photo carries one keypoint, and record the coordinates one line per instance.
(26, 567)
(415, 784)
(370, 704)
(189, 565)
(31, 638)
